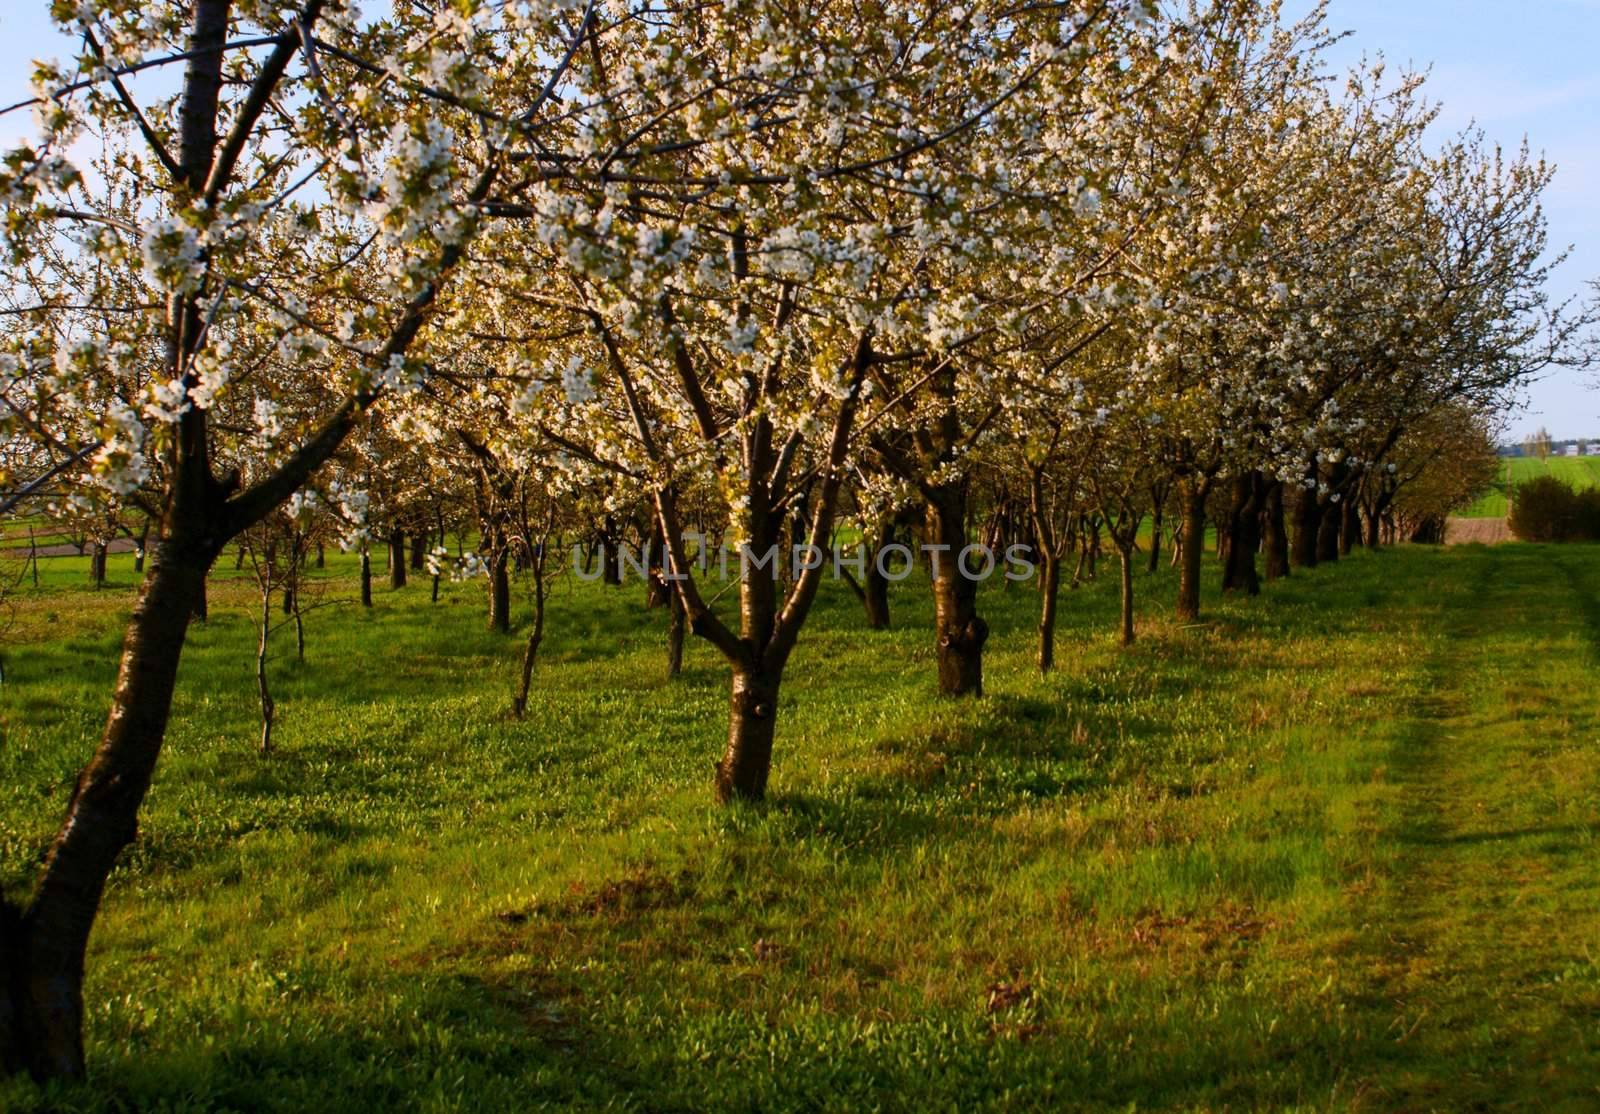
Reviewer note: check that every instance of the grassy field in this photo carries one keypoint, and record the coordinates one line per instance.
(1333, 849)
(1579, 471)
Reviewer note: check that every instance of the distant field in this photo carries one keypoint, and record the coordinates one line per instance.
(1579, 471)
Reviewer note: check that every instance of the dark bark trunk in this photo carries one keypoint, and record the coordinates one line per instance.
(397, 559)
(1328, 533)
(45, 953)
(1192, 495)
(322, 557)
(97, 564)
(1349, 526)
(611, 552)
(1244, 515)
(1049, 595)
(500, 591)
(366, 577)
(1154, 564)
(1277, 534)
(752, 721)
(1307, 523)
(419, 551)
(139, 547)
(959, 630)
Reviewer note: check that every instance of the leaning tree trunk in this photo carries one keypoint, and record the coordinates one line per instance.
(1049, 594)
(41, 997)
(1192, 496)
(1277, 534)
(959, 630)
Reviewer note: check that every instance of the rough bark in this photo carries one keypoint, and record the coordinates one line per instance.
(675, 631)
(47, 941)
(1192, 498)
(959, 631)
(1328, 533)
(752, 722)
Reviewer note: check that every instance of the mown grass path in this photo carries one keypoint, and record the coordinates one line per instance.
(1487, 938)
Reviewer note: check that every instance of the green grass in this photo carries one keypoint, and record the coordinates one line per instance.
(1333, 849)
(1578, 471)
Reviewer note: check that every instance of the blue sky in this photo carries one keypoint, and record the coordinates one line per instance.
(1524, 68)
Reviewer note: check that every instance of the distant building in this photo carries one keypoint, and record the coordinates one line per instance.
(1572, 450)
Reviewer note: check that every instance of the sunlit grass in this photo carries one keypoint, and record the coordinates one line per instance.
(1334, 848)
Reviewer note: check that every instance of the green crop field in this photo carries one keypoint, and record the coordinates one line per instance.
(1335, 848)
(1579, 471)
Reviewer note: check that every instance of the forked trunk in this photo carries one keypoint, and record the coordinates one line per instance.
(752, 720)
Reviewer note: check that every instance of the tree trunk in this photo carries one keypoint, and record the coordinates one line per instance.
(752, 720)
(366, 577)
(419, 551)
(1349, 526)
(1126, 634)
(1154, 563)
(499, 592)
(97, 564)
(41, 1028)
(959, 631)
(1049, 593)
(397, 558)
(1244, 515)
(322, 557)
(1307, 523)
(675, 631)
(1328, 533)
(1192, 496)
(1277, 535)
(263, 692)
(139, 547)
